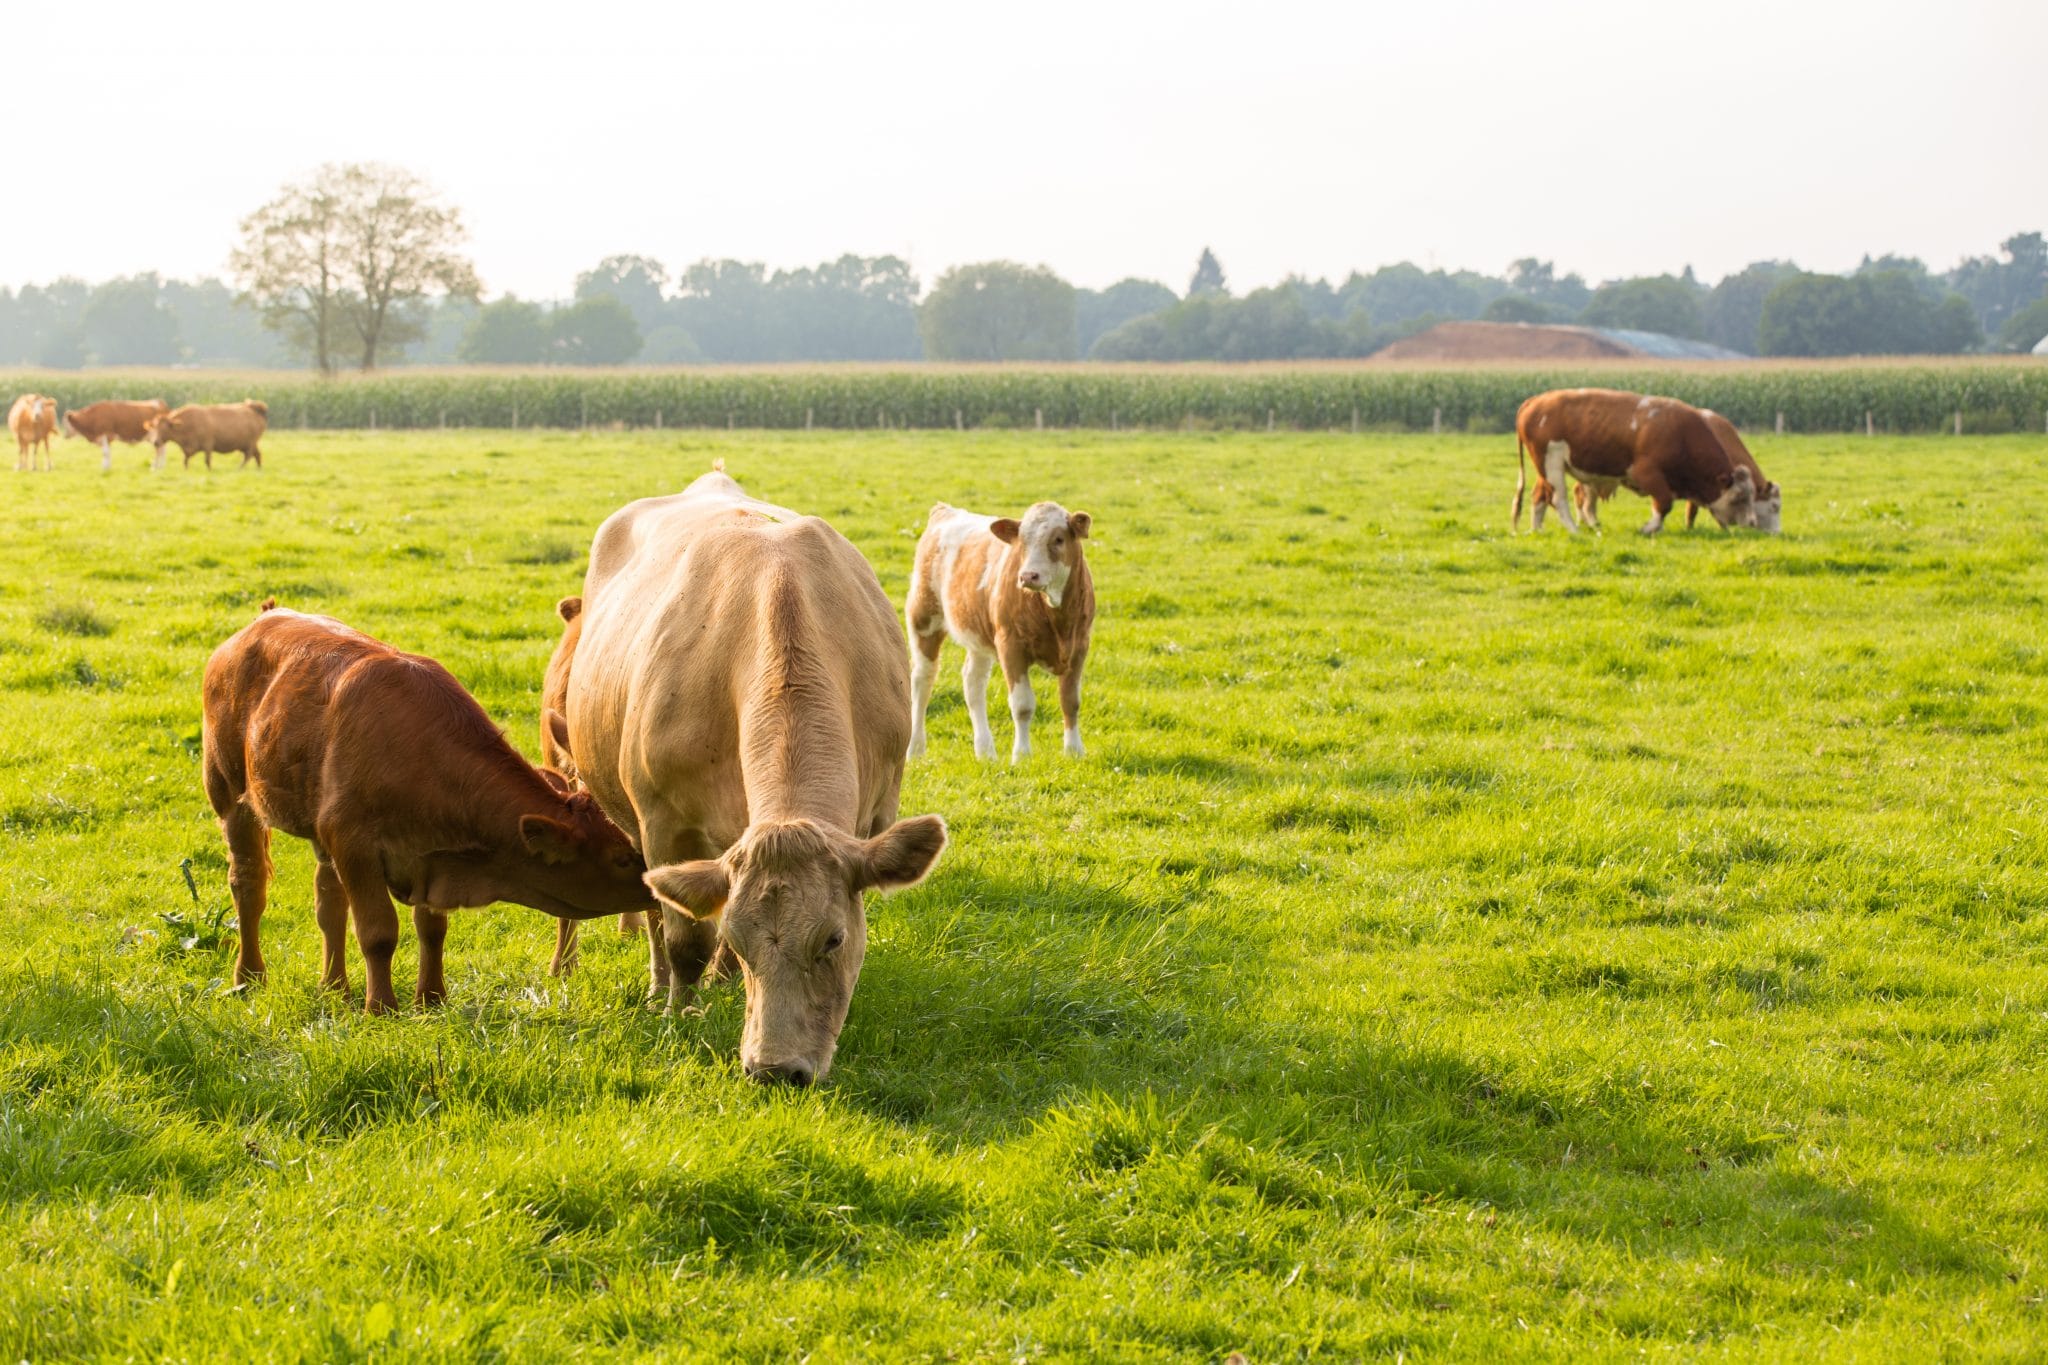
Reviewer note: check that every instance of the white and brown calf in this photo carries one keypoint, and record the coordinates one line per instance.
(1014, 591)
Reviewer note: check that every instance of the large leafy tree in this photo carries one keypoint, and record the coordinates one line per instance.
(343, 260)
(1208, 276)
(1100, 311)
(598, 331)
(507, 331)
(999, 310)
(1735, 306)
(2001, 288)
(127, 323)
(1885, 313)
(638, 282)
(1658, 303)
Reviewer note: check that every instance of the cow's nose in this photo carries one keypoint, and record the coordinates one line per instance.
(1029, 580)
(797, 1074)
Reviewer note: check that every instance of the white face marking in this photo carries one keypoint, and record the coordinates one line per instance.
(1043, 536)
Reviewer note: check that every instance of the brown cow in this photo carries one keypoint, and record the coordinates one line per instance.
(115, 419)
(1007, 589)
(554, 753)
(32, 418)
(406, 789)
(1658, 447)
(213, 428)
(739, 697)
(1770, 502)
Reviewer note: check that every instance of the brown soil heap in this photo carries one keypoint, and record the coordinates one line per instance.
(1453, 341)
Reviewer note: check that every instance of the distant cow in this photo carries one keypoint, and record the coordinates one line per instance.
(554, 753)
(1658, 447)
(213, 429)
(1010, 590)
(32, 418)
(115, 419)
(406, 789)
(1769, 501)
(739, 696)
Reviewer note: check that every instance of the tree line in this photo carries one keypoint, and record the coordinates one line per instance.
(362, 266)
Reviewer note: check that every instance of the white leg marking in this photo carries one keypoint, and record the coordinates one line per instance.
(1022, 704)
(1554, 456)
(106, 455)
(1072, 743)
(923, 672)
(974, 678)
(1655, 523)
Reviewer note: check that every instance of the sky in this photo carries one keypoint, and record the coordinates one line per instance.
(1104, 140)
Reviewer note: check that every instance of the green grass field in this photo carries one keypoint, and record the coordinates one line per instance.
(1454, 945)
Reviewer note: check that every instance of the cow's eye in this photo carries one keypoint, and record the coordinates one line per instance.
(832, 942)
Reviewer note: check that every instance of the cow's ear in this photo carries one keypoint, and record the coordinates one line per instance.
(569, 608)
(558, 728)
(1004, 529)
(697, 888)
(901, 855)
(548, 839)
(1079, 524)
(556, 779)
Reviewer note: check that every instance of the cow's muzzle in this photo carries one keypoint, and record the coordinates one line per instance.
(798, 1074)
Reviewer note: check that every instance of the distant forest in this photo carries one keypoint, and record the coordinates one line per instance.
(630, 309)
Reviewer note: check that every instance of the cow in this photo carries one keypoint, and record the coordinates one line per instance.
(32, 418)
(1658, 447)
(212, 429)
(115, 419)
(404, 787)
(554, 754)
(1770, 499)
(1010, 590)
(740, 699)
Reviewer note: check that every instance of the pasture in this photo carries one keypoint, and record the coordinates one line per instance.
(1453, 945)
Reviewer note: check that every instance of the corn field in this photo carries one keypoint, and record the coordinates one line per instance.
(1988, 396)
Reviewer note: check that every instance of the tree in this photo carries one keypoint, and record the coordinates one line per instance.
(1099, 311)
(217, 329)
(1398, 293)
(999, 310)
(1656, 303)
(1208, 276)
(1735, 306)
(724, 305)
(636, 281)
(1537, 280)
(598, 331)
(1880, 314)
(1998, 289)
(347, 255)
(2024, 329)
(507, 332)
(126, 323)
(1522, 308)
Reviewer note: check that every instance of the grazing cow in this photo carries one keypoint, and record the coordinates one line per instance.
(1010, 590)
(32, 418)
(406, 789)
(115, 419)
(1769, 502)
(740, 698)
(554, 753)
(1658, 447)
(211, 429)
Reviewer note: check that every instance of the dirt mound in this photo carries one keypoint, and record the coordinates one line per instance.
(1455, 341)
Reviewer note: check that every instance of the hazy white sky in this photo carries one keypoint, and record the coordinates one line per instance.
(1103, 139)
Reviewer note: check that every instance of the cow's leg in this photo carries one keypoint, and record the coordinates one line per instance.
(432, 928)
(682, 946)
(1692, 514)
(106, 455)
(1646, 479)
(1554, 457)
(249, 881)
(974, 676)
(565, 948)
(159, 462)
(330, 902)
(1070, 704)
(1023, 702)
(924, 671)
(376, 920)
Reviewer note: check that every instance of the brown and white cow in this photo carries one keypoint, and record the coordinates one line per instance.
(1014, 591)
(405, 788)
(32, 418)
(554, 754)
(1770, 498)
(116, 419)
(1658, 447)
(211, 429)
(740, 700)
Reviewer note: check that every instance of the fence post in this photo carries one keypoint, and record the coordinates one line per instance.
(515, 414)
(728, 419)
(807, 419)
(1959, 421)
(1781, 424)
(583, 412)
(1114, 425)
(1354, 419)
(1869, 423)
(959, 420)
(1038, 419)
(657, 419)
(1436, 421)
(373, 417)
(444, 419)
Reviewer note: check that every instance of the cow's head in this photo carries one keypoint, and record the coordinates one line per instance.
(579, 859)
(157, 430)
(1770, 507)
(1048, 540)
(1737, 504)
(788, 900)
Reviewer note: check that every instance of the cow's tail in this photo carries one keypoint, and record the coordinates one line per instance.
(1521, 484)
